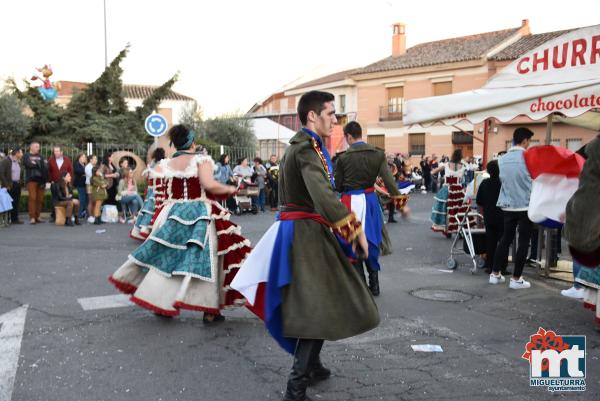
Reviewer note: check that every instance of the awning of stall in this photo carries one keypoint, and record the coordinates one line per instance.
(561, 76)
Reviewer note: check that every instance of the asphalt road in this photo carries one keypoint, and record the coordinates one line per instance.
(126, 353)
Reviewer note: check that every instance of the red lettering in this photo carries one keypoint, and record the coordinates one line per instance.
(532, 108)
(555, 54)
(568, 104)
(550, 105)
(595, 49)
(520, 68)
(579, 47)
(584, 102)
(540, 105)
(575, 100)
(593, 99)
(559, 104)
(543, 61)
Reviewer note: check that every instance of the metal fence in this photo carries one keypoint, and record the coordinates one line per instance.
(139, 149)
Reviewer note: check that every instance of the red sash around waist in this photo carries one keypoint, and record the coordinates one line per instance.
(304, 216)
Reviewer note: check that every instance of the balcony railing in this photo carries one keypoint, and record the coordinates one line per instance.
(387, 113)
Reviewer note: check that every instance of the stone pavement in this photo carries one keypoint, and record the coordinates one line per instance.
(126, 353)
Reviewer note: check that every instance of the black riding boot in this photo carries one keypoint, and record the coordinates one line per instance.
(318, 372)
(373, 281)
(300, 376)
(358, 266)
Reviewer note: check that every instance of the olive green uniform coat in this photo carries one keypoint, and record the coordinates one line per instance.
(326, 298)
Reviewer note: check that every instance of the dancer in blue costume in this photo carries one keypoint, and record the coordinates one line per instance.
(356, 173)
(194, 251)
(154, 197)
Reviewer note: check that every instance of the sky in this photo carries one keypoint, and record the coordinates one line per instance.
(231, 54)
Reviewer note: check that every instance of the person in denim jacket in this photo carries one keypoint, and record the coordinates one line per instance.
(514, 202)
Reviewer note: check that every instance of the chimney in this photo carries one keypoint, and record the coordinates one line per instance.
(398, 39)
(525, 27)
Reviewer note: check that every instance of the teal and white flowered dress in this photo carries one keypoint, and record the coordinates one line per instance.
(192, 254)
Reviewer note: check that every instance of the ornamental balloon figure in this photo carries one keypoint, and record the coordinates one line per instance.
(48, 90)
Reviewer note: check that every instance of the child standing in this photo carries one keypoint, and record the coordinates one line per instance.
(99, 193)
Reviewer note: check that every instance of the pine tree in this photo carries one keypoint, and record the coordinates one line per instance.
(98, 113)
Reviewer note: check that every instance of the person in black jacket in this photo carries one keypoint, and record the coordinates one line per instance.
(36, 176)
(79, 182)
(493, 217)
(62, 196)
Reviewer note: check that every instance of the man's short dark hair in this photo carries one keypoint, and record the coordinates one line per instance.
(353, 129)
(521, 134)
(313, 101)
(15, 150)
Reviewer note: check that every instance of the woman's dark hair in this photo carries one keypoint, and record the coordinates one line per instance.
(456, 156)
(106, 158)
(158, 154)
(95, 169)
(222, 159)
(493, 169)
(62, 182)
(241, 159)
(178, 135)
(312, 101)
(258, 160)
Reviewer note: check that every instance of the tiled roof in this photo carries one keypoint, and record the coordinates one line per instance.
(143, 91)
(338, 76)
(68, 88)
(525, 44)
(452, 50)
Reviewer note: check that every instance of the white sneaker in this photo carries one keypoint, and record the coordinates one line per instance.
(496, 279)
(519, 284)
(577, 293)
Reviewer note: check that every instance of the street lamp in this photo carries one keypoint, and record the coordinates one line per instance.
(105, 42)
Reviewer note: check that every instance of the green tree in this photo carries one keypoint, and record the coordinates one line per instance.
(98, 113)
(230, 130)
(14, 124)
(192, 117)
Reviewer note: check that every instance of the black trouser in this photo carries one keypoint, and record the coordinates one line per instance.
(273, 195)
(391, 210)
(512, 220)
(493, 233)
(427, 181)
(15, 194)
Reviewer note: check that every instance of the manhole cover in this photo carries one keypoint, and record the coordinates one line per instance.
(442, 295)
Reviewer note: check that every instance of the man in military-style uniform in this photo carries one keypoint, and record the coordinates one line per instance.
(356, 171)
(298, 278)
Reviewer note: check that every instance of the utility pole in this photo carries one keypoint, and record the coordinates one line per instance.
(105, 42)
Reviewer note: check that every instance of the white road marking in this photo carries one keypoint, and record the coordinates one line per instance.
(105, 302)
(12, 325)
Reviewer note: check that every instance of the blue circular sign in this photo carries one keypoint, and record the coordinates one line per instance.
(156, 125)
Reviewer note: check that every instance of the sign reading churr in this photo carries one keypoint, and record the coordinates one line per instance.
(572, 53)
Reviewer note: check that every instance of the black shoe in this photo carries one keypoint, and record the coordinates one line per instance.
(392, 221)
(68, 222)
(97, 221)
(307, 351)
(373, 281)
(77, 222)
(318, 373)
(210, 318)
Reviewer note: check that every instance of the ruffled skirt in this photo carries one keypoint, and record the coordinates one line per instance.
(187, 262)
(143, 223)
